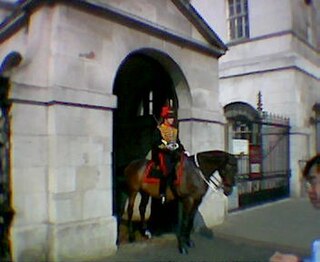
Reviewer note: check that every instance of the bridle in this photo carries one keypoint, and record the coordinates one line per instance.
(214, 182)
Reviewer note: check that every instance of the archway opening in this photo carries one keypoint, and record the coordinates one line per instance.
(6, 210)
(143, 85)
(12, 60)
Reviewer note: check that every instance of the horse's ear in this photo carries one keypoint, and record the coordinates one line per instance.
(231, 158)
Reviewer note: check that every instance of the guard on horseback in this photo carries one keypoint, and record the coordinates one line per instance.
(166, 149)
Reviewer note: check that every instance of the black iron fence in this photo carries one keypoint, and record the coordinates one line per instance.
(264, 172)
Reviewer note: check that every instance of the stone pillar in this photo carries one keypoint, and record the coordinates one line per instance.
(61, 179)
(81, 225)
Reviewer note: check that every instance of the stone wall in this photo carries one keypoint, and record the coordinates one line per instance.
(281, 59)
(62, 122)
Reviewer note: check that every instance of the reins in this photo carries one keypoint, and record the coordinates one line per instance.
(213, 179)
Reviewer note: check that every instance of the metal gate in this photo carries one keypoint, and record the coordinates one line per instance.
(264, 172)
(6, 211)
(260, 141)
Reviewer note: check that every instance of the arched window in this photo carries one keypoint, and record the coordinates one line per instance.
(244, 136)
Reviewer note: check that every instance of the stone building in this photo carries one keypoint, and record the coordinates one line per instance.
(273, 48)
(81, 82)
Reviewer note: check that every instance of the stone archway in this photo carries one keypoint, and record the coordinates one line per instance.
(12, 60)
(145, 81)
(142, 87)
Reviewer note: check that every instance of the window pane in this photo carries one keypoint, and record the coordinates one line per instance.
(318, 136)
(231, 8)
(245, 5)
(151, 103)
(238, 19)
(246, 27)
(232, 29)
(238, 7)
(239, 27)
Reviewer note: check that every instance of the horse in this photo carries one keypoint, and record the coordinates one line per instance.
(195, 174)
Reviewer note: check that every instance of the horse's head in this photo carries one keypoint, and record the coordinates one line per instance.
(228, 173)
(224, 163)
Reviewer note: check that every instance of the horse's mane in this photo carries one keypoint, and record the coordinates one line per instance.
(214, 160)
(214, 154)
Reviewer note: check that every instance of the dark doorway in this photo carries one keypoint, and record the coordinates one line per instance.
(6, 211)
(142, 87)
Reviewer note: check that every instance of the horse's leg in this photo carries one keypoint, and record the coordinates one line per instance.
(185, 207)
(142, 210)
(132, 197)
(189, 226)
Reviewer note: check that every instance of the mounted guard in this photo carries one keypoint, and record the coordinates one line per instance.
(197, 173)
(167, 150)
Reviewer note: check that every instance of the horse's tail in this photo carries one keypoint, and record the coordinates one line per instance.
(120, 180)
(120, 197)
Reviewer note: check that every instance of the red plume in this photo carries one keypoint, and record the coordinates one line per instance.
(166, 111)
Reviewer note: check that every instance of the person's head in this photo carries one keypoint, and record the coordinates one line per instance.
(311, 173)
(168, 116)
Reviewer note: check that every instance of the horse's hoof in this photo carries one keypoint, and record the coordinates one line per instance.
(147, 234)
(190, 243)
(183, 250)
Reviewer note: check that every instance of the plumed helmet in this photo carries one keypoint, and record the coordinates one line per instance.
(167, 112)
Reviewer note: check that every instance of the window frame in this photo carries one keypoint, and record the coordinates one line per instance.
(238, 20)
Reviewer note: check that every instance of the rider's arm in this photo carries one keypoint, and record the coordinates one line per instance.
(157, 141)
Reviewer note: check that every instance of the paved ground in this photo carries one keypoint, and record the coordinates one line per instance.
(291, 223)
(215, 249)
(249, 235)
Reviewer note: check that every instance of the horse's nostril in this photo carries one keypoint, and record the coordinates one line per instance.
(228, 192)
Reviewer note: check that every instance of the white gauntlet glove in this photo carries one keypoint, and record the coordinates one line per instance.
(172, 146)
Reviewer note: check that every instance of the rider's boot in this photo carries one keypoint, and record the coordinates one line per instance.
(155, 172)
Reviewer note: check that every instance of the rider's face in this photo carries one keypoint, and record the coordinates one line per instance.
(314, 190)
(169, 121)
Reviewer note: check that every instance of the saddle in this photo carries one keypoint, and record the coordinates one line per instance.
(153, 173)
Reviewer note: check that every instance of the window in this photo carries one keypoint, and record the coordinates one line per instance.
(238, 19)
(242, 130)
(146, 105)
(316, 109)
(318, 135)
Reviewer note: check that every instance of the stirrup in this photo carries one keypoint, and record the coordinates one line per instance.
(162, 198)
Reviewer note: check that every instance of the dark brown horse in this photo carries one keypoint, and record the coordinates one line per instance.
(195, 174)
